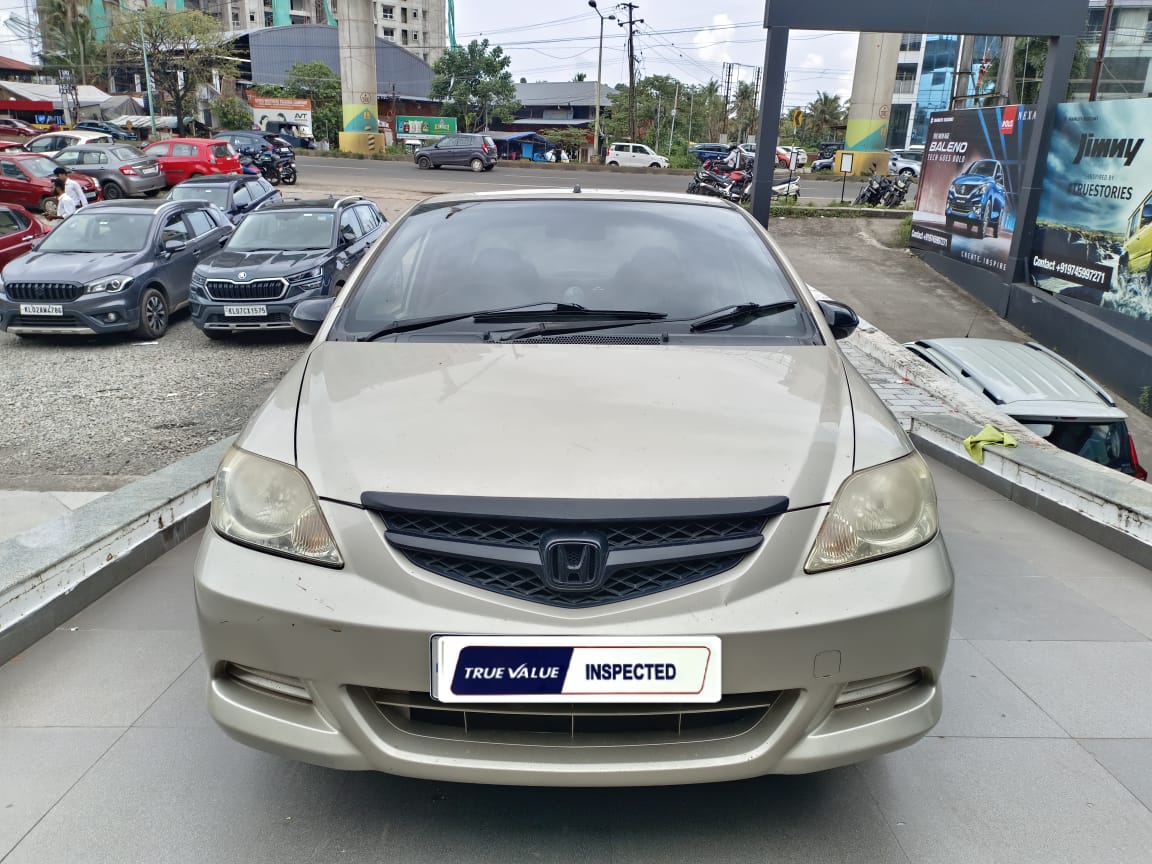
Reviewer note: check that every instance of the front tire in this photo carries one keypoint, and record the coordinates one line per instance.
(153, 314)
(477, 165)
(48, 206)
(423, 163)
(654, 165)
(112, 191)
(984, 221)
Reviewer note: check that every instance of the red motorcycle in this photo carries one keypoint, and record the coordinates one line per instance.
(716, 178)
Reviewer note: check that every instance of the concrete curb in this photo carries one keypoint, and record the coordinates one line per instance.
(51, 572)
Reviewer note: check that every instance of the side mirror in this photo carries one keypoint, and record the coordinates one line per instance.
(173, 246)
(840, 318)
(308, 315)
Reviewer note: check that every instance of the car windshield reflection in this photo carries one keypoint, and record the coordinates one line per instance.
(99, 232)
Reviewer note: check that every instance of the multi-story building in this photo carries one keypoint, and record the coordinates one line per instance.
(928, 66)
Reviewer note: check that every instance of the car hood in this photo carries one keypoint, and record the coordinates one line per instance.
(575, 421)
(967, 179)
(260, 264)
(69, 266)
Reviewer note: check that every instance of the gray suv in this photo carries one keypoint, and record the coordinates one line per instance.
(121, 169)
(112, 267)
(477, 152)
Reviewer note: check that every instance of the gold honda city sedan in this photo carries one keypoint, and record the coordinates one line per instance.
(574, 488)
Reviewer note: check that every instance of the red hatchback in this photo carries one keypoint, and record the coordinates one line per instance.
(26, 179)
(181, 158)
(18, 228)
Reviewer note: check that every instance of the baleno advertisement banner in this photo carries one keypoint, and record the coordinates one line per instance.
(970, 183)
(1094, 226)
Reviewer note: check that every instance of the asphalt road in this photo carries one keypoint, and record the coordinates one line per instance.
(1043, 755)
(405, 176)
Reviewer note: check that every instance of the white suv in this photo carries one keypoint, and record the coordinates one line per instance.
(635, 155)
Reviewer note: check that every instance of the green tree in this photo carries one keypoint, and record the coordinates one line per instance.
(822, 115)
(316, 82)
(184, 49)
(61, 34)
(745, 111)
(1029, 60)
(572, 140)
(475, 85)
(232, 113)
(580, 76)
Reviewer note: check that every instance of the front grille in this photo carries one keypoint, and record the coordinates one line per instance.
(524, 583)
(44, 290)
(524, 534)
(574, 555)
(262, 289)
(574, 724)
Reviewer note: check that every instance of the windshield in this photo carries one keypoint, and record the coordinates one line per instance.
(126, 153)
(99, 232)
(983, 168)
(289, 230)
(217, 195)
(41, 166)
(684, 260)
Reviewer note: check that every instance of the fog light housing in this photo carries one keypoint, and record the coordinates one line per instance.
(271, 682)
(111, 317)
(874, 688)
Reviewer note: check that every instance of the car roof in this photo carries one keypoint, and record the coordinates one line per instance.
(1026, 379)
(136, 205)
(21, 154)
(315, 203)
(106, 145)
(220, 179)
(578, 193)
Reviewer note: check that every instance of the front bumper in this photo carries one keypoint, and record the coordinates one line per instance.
(209, 314)
(86, 315)
(358, 640)
(963, 207)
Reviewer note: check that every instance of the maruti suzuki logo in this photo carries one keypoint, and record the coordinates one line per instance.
(573, 563)
(1092, 147)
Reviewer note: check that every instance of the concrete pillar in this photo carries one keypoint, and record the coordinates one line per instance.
(361, 132)
(877, 56)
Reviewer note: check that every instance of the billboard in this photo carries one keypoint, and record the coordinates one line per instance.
(426, 125)
(266, 108)
(970, 181)
(1093, 235)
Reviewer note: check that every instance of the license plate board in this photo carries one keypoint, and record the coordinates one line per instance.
(149, 171)
(588, 669)
(41, 309)
(245, 311)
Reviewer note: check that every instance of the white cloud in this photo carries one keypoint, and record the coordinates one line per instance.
(711, 40)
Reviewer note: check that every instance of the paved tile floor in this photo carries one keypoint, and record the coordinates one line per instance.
(1044, 754)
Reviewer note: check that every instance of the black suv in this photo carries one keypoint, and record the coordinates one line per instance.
(282, 254)
(235, 194)
(477, 152)
(242, 138)
(111, 267)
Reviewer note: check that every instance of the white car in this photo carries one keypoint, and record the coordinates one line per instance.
(51, 143)
(799, 152)
(635, 155)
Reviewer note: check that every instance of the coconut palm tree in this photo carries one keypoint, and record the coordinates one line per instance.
(823, 115)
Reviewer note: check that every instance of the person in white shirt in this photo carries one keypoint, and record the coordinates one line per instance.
(65, 206)
(71, 187)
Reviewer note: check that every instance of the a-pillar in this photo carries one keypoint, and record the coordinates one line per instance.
(358, 90)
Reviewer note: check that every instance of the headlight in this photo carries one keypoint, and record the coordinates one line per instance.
(270, 505)
(877, 512)
(109, 284)
(314, 273)
(198, 280)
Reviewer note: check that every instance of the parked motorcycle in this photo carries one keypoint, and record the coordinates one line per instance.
(898, 191)
(716, 179)
(873, 192)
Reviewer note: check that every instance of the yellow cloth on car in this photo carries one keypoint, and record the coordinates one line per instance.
(975, 444)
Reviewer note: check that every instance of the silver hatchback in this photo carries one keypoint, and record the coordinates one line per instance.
(553, 500)
(121, 169)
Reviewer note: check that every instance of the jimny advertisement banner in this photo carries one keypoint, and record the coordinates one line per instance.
(970, 183)
(1093, 234)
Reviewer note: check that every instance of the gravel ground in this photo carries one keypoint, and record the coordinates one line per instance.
(97, 412)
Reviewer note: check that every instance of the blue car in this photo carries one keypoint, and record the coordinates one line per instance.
(977, 198)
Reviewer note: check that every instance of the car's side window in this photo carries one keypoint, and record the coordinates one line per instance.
(183, 149)
(159, 149)
(349, 227)
(93, 157)
(11, 170)
(43, 145)
(174, 229)
(242, 196)
(264, 186)
(368, 217)
(10, 223)
(68, 157)
(200, 222)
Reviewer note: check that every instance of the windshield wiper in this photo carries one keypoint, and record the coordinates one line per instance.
(741, 314)
(553, 329)
(514, 314)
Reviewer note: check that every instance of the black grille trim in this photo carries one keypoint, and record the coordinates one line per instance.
(260, 289)
(576, 509)
(44, 291)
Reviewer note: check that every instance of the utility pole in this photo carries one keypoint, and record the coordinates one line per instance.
(728, 70)
(148, 76)
(1100, 51)
(675, 105)
(395, 125)
(599, 71)
(631, 7)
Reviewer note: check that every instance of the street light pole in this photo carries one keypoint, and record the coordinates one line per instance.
(148, 76)
(599, 69)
